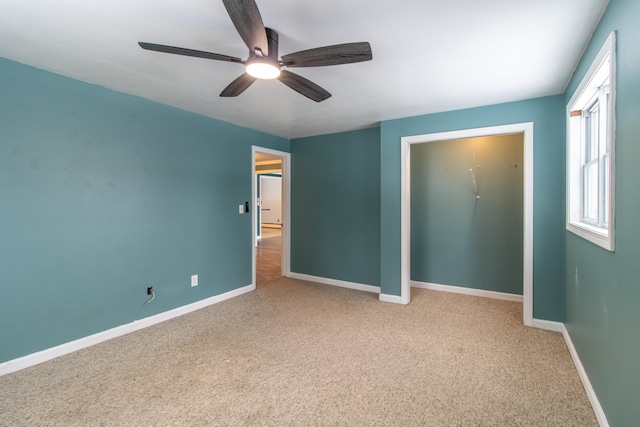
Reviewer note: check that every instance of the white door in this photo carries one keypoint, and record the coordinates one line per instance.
(271, 200)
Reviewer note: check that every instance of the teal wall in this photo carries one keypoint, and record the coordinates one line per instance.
(335, 206)
(547, 114)
(603, 288)
(456, 238)
(103, 194)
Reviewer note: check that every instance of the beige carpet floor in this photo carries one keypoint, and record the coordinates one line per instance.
(303, 354)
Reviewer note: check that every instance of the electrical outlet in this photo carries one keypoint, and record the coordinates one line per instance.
(194, 280)
(240, 209)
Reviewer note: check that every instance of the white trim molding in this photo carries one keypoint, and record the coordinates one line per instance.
(88, 341)
(548, 325)
(467, 291)
(392, 298)
(335, 282)
(405, 212)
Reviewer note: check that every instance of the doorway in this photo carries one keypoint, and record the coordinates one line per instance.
(269, 210)
(526, 129)
(270, 218)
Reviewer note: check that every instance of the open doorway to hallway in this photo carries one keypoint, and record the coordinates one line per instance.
(271, 215)
(269, 202)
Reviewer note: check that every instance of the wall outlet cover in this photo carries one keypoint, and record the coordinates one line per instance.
(194, 280)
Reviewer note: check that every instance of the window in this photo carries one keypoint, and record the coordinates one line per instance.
(590, 151)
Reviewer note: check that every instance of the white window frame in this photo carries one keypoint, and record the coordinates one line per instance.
(597, 86)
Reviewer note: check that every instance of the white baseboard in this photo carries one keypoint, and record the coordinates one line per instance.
(392, 298)
(334, 282)
(350, 285)
(588, 388)
(467, 291)
(69, 347)
(548, 325)
(591, 394)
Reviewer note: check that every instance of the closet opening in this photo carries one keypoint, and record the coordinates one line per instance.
(472, 191)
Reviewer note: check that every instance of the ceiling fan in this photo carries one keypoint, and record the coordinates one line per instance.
(263, 62)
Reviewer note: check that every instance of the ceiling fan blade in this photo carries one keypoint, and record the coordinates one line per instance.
(329, 55)
(246, 18)
(238, 86)
(303, 86)
(188, 52)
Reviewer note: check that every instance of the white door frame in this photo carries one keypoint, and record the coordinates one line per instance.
(405, 188)
(286, 209)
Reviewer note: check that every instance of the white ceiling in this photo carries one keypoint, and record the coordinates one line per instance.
(428, 55)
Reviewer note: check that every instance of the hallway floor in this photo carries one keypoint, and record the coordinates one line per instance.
(269, 256)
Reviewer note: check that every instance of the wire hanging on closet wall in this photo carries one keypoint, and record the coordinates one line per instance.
(474, 164)
(475, 185)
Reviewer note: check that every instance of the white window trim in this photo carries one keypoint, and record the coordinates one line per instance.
(601, 237)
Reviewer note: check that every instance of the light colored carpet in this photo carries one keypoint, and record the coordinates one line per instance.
(298, 353)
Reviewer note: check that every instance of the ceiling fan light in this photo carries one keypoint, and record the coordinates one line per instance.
(263, 70)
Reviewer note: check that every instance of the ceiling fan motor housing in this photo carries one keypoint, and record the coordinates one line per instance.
(265, 65)
(272, 40)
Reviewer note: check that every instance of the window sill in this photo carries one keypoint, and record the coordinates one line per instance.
(592, 234)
